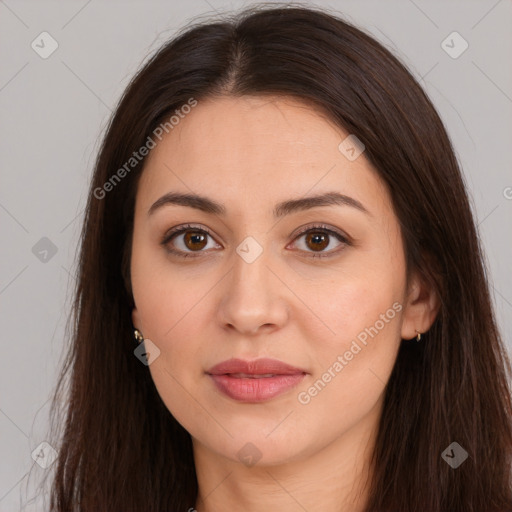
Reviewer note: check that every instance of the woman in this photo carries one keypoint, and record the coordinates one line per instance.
(281, 299)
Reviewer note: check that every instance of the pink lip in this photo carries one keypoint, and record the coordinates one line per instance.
(250, 388)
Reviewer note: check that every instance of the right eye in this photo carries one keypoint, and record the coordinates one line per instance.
(194, 241)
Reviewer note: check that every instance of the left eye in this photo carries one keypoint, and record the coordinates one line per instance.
(194, 240)
(318, 239)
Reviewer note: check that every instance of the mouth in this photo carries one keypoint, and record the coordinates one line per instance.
(255, 381)
(255, 388)
(250, 376)
(259, 367)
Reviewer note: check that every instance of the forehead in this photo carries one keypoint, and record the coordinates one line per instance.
(260, 125)
(256, 148)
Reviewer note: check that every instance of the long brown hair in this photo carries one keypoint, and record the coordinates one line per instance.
(120, 449)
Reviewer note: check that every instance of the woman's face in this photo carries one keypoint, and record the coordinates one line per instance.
(319, 287)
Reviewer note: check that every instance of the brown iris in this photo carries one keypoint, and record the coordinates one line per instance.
(320, 240)
(196, 238)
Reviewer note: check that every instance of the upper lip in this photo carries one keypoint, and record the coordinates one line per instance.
(256, 367)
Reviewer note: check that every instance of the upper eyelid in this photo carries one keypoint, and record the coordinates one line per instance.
(181, 229)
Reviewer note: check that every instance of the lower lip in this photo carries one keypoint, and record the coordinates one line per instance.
(256, 390)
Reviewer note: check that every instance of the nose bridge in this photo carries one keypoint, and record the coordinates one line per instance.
(253, 297)
(250, 276)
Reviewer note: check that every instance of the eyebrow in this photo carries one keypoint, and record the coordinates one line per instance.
(208, 205)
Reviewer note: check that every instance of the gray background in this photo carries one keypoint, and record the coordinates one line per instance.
(54, 111)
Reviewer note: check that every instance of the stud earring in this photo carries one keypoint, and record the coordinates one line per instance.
(138, 336)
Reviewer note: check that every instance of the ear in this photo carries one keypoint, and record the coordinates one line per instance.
(421, 308)
(136, 319)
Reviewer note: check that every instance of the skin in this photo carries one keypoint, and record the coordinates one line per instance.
(250, 153)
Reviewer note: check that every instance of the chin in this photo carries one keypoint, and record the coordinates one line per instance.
(255, 449)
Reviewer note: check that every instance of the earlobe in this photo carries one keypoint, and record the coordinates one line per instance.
(421, 308)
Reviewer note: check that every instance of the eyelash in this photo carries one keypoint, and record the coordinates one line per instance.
(316, 228)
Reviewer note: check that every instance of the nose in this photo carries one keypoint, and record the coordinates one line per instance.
(254, 298)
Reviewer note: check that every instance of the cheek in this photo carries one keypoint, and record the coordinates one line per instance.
(169, 310)
(359, 309)
(356, 347)
(162, 295)
(361, 348)
(171, 306)
(353, 365)
(352, 300)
